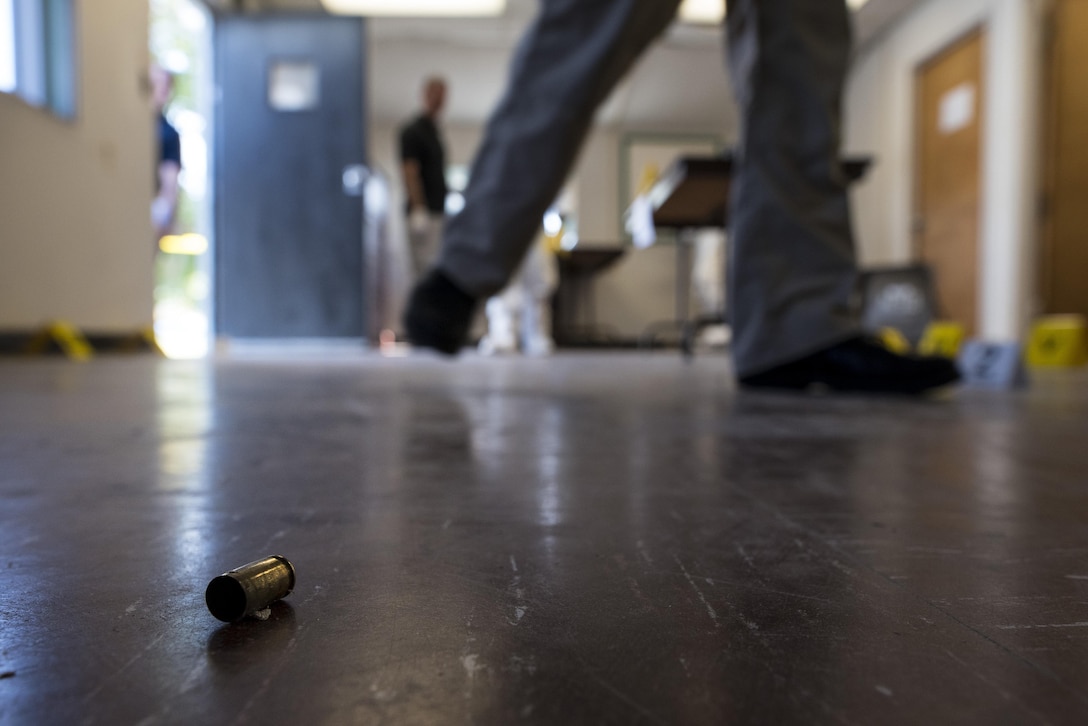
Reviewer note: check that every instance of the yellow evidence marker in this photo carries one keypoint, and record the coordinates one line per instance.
(894, 341)
(1058, 341)
(943, 338)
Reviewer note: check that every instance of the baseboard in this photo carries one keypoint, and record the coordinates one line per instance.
(44, 342)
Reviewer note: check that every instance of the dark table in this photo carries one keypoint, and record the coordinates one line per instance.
(693, 192)
(574, 309)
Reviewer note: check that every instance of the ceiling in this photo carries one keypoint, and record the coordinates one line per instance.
(472, 54)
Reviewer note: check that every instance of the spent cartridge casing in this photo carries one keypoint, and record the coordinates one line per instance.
(250, 588)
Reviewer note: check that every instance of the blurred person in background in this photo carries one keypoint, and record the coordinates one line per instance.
(164, 207)
(423, 166)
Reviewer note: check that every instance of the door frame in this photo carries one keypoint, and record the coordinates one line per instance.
(1048, 131)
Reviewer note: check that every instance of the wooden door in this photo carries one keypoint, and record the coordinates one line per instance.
(1064, 263)
(949, 99)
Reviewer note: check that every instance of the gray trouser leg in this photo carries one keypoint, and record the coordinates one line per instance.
(792, 267)
(572, 57)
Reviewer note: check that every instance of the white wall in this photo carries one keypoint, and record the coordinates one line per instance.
(75, 236)
(880, 120)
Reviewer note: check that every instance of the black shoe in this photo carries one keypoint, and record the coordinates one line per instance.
(859, 365)
(439, 314)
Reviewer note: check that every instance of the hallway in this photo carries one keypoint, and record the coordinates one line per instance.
(588, 539)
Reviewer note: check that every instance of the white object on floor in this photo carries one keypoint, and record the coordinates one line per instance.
(520, 316)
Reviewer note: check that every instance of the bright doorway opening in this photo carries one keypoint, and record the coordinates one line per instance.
(181, 44)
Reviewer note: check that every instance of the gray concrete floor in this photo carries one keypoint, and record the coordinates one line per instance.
(588, 539)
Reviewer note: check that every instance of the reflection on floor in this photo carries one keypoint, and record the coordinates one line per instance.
(590, 539)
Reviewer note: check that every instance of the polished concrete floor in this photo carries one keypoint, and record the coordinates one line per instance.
(605, 539)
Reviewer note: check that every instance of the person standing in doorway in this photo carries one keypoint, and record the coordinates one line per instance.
(423, 164)
(164, 207)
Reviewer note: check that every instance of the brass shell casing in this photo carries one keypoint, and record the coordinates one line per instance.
(250, 588)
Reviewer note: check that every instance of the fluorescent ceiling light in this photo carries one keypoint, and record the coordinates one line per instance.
(711, 12)
(416, 8)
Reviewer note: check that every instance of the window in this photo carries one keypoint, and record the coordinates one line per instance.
(294, 85)
(37, 53)
(7, 46)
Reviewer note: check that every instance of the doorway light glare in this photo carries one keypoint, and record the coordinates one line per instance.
(7, 46)
(702, 12)
(416, 8)
(184, 244)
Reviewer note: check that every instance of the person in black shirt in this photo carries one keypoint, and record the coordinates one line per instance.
(165, 205)
(423, 164)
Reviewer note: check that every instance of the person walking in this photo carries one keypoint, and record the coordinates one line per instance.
(793, 268)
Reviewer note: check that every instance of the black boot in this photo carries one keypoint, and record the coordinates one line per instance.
(439, 314)
(859, 365)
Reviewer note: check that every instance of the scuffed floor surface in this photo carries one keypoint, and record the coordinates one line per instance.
(607, 539)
